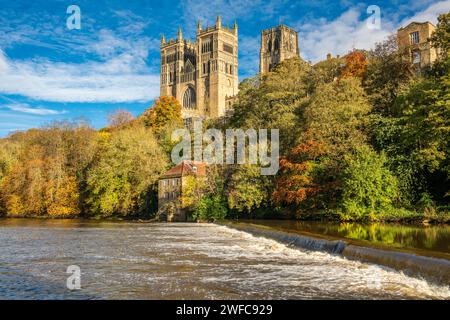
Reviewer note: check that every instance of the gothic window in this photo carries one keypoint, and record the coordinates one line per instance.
(207, 46)
(277, 44)
(189, 67)
(414, 37)
(189, 98)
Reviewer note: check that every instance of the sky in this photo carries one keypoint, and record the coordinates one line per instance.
(49, 72)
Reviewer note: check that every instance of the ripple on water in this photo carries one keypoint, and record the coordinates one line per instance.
(184, 261)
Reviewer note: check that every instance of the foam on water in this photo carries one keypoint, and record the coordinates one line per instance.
(185, 261)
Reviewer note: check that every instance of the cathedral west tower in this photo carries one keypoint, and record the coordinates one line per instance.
(202, 75)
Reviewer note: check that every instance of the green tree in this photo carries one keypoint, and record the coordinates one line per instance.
(128, 165)
(271, 101)
(248, 189)
(335, 116)
(386, 75)
(368, 187)
(210, 208)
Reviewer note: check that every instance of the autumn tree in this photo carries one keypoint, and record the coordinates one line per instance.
(298, 181)
(48, 171)
(124, 174)
(165, 111)
(355, 65)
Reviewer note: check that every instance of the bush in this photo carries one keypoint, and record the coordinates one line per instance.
(368, 187)
(210, 208)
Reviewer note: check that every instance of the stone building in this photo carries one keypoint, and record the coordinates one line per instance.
(202, 75)
(413, 41)
(277, 44)
(170, 189)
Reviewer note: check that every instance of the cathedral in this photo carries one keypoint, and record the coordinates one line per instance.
(203, 75)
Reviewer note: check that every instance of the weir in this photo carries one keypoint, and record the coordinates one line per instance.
(432, 269)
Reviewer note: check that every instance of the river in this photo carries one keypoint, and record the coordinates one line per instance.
(131, 260)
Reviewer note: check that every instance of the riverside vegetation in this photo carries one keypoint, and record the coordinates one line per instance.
(362, 137)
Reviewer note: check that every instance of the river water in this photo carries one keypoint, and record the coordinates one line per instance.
(130, 260)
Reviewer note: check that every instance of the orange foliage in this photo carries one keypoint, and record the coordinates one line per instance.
(296, 182)
(165, 110)
(355, 65)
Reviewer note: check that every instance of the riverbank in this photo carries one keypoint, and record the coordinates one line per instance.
(433, 265)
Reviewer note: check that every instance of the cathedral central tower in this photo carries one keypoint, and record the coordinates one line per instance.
(277, 44)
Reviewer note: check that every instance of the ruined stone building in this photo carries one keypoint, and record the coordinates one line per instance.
(277, 44)
(202, 75)
(413, 42)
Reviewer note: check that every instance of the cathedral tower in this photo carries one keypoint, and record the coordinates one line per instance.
(277, 44)
(202, 75)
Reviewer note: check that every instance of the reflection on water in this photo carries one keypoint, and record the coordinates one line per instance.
(434, 240)
(126, 260)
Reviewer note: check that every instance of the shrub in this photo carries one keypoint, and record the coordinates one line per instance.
(210, 208)
(368, 187)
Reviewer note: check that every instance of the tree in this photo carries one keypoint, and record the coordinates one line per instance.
(119, 118)
(194, 187)
(324, 72)
(248, 189)
(48, 171)
(272, 101)
(387, 74)
(441, 36)
(128, 165)
(368, 187)
(335, 116)
(210, 208)
(298, 182)
(165, 111)
(355, 65)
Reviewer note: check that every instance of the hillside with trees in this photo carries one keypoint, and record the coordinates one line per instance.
(363, 137)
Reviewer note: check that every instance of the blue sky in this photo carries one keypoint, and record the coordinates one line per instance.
(48, 72)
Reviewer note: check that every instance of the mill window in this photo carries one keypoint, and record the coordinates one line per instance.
(414, 37)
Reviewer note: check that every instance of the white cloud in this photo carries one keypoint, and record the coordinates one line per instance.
(348, 31)
(118, 79)
(26, 108)
(429, 14)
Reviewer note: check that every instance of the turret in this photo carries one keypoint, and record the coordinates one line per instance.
(235, 27)
(163, 39)
(218, 22)
(199, 26)
(180, 34)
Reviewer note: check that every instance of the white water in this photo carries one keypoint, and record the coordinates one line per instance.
(183, 261)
